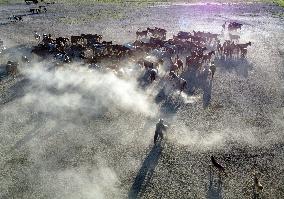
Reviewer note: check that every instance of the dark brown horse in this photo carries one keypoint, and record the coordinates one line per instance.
(140, 34)
(208, 57)
(179, 63)
(243, 48)
(234, 26)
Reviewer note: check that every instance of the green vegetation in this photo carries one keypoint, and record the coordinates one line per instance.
(279, 2)
(11, 1)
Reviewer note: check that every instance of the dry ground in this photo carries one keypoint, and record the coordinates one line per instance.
(79, 134)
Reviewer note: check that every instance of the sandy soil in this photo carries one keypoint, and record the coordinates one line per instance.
(80, 134)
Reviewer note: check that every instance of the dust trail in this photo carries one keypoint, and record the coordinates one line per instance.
(78, 87)
(67, 106)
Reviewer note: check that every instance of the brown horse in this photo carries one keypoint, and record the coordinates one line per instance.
(174, 68)
(177, 66)
(189, 61)
(179, 63)
(244, 45)
(234, 37)
(219, 48)
(243, 48)
(140, 34)
(157, 32)
(234, 26)
(207, 57)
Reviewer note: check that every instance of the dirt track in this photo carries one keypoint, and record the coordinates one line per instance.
(63, 135)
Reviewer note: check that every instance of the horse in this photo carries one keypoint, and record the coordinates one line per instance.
(189, 61)
(140, 34)
(62, 39)
(211, 36)
(161, 32)
(234, 37)
(212, 67)
(199, 51)
(42, 8)
(15, 18)
(207, 57)
(34, 10)
(179, 64)
(179, 82)
(219, 48)
(52, 47)
(234, 26)
(153, 73)
(149, 64)
(244, 45)
(92, 38)
(174, 67)
(28, 2)
(243, 48)
(156, 41)
(183, 35)
(76, 39)
(157, 32)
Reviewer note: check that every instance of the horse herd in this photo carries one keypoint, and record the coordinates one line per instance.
(185, 51)
(34, 10)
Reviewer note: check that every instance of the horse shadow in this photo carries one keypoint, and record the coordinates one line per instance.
(215, 189)
(255, 194)
(143, 79)
(169, 100)
(17, 91)
(12, 53)
(207, 90)
(240, 65)
(146, 172)
(199, 81)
